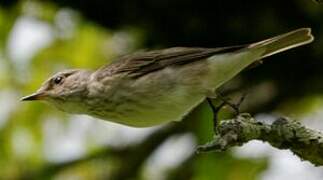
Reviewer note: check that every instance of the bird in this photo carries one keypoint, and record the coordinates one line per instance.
(149, 88)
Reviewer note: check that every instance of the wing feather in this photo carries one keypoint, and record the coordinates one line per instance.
(141, 63)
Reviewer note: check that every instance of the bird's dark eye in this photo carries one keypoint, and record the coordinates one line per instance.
(58, 80)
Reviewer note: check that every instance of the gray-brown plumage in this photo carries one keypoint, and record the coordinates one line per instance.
(149, 88)
(141, 63)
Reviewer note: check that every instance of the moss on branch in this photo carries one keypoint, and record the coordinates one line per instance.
(283, 133)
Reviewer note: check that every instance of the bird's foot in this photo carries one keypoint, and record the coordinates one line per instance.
(235, 106)
(216, 143)
(215, 111)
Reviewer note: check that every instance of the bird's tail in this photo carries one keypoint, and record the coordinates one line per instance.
(283, 42)
(227, 65)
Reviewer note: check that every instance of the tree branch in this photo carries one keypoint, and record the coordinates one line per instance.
(283, 133)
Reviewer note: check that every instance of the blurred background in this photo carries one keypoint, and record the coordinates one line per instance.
(39, 38)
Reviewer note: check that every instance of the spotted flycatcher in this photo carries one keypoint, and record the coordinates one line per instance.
(150, 88)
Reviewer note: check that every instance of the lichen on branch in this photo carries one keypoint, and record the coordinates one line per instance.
(283, 133)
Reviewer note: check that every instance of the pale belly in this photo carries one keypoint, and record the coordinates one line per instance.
(150, 111)
(155, 99)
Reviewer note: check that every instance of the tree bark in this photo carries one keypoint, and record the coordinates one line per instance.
(283, 133)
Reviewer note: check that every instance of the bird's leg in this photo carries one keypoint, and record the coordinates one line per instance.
(224, 101)
(215, 111)
(234, 106)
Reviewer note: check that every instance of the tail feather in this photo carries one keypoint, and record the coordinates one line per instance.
(225, 66)
(284, 42)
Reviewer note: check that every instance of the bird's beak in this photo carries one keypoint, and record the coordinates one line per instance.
(34, 96)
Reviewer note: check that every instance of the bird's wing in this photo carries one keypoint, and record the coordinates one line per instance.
(141, 63)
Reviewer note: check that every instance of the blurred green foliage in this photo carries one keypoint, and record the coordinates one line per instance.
(84, 40)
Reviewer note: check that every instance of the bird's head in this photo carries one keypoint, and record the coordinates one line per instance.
(65, 90)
